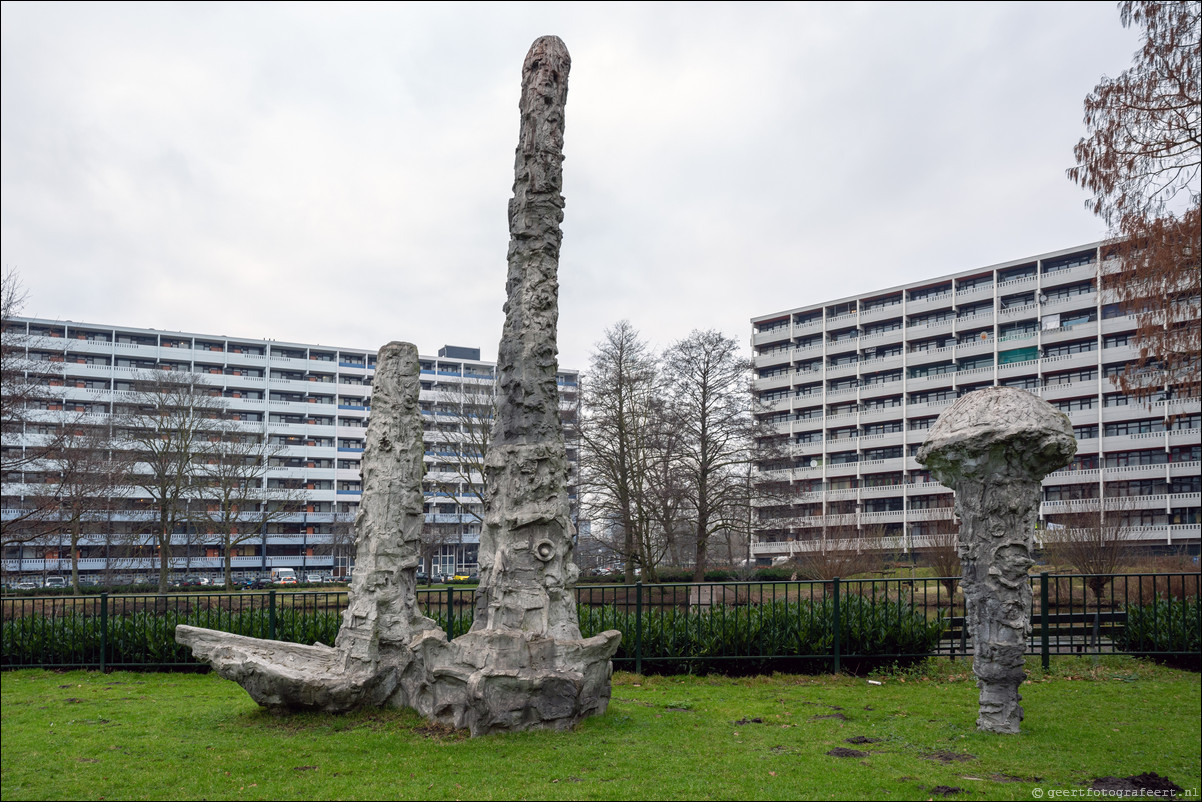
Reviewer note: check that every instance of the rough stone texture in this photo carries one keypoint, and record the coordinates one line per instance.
(525, 620)
(383, 601)
(372, 653)
(523, 665)
(992, 447)
(526, 540)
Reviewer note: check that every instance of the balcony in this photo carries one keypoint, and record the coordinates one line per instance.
(878, 313)
(1019, 312)
(1070, 275)
(1064, 333)
(777, 334)
(779, 356)
(846, 369)
(1006, 287)
(773, 382)
(929, 303)
(974, 293)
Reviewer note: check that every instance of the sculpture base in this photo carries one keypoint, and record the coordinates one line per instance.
(487, 681)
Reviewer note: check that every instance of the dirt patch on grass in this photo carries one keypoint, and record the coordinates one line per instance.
(746, 720)
(837, 716)
(1148, 781)
(862, 739)
(945, 757)
(439, 732)
(946, 790)
(843, 751)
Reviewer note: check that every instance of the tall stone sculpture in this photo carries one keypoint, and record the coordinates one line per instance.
(524, 649)
(523, 664)
(526, 541)
(992, 447)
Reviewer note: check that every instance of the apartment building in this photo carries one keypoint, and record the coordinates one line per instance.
(311, 402)
(851, 386)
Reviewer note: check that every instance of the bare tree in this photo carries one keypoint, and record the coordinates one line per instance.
(619, 391)
(463, 415)
(1093, 537)
(710, 405)
(1141, 160)
(165, 420)
(89, 472)
(30, 420)
(943, 551)
(233, 500)
(844, 550)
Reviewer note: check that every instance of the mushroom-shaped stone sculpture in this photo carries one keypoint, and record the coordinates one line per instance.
(992, 447)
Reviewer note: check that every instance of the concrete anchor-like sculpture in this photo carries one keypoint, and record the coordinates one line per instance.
(524, 664)
(992, 447)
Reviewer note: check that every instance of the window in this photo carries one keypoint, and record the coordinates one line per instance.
(1145, 457)
(1134, 427)
(1073, 404)
(1085, 432)
(1078, 347)
(1068, 291)
(1180, 422)
(929, 292)
(1070, 492)
(884, 403)
(1068, 377)
(1116, 340)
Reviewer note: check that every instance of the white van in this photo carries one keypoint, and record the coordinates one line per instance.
(283, 576)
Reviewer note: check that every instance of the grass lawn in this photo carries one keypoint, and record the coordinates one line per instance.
(80, 735)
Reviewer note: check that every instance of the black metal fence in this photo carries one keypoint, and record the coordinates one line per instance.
(726, 627)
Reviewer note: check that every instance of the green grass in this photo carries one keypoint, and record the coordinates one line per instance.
(80, 735)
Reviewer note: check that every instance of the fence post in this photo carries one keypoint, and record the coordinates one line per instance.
(450, 613)
(835, 625)
(1044, 657)
(104, 629)
(638, 627)
(271, 615)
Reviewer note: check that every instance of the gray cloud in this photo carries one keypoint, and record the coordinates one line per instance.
(340, 173)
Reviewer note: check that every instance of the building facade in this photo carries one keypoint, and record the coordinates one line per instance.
(849, 387)
(311, 403)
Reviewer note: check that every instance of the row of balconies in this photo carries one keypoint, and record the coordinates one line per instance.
(823, 469)
(784, 353)
(934, 302)
(1176, 534)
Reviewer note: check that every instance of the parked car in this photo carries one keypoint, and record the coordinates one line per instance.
(313, 579)
(286, 580)
(56, 582)
(256, 583)
(423, 578)
(26, 586)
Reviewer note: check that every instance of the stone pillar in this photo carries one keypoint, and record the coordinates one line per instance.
(383, 602)
(373, 662)
(526, 566)
(993, 447)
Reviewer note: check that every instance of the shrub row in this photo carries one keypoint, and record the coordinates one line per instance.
(1167, 630)
(793, 637)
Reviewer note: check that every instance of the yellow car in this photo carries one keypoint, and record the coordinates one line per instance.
(465, 578)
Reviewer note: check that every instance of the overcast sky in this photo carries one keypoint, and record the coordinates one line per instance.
(339, 173)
